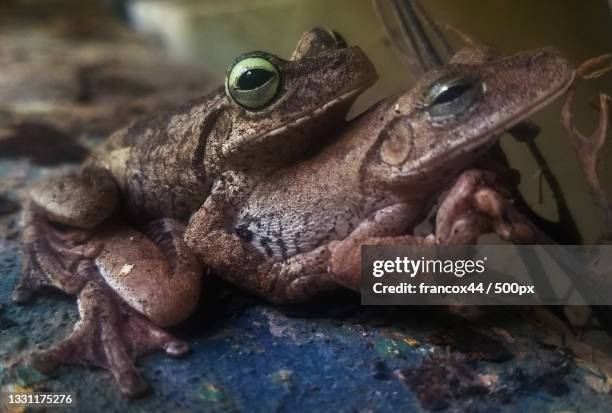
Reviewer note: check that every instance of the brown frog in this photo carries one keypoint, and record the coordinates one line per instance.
(299, 232)
(112, 232)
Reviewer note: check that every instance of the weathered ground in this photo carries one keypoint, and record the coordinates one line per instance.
(58, 97)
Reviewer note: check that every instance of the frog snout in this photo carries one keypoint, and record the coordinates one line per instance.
(547, 67)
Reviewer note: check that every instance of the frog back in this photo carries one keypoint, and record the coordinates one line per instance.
(158, 163)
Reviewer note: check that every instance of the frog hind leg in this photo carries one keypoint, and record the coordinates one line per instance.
(134, 284)
(387, 226)
(300, 277)
(109, 335)
(49, 259)
(78, 202)
(153, 271)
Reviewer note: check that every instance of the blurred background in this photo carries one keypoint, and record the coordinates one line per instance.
(121, 50)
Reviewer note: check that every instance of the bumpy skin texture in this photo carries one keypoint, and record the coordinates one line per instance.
(300, 231)
(122, 253)
(164, 167)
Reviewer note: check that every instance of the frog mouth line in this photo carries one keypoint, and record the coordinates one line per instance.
(339, 99)
(488, 139)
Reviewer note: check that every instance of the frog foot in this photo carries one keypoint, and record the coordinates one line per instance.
(52, 257)
(109, 335)
(476, 205)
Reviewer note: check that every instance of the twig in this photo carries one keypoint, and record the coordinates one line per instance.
(590, 149)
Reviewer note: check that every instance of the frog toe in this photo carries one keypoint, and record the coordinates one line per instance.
(110, 335)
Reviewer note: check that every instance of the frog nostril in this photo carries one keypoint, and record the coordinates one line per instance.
(537, 57)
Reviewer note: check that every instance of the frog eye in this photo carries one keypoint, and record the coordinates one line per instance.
(253, 82)
(450, 96)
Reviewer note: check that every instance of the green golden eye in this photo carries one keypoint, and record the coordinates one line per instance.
(253, 82)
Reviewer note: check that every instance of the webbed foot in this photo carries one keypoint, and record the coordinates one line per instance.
(476, 205)
(159, 277)
(109, 335)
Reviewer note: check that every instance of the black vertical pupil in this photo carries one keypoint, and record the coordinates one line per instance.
(253, 78)
(452, 93)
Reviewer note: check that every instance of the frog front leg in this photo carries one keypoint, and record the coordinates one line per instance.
(387, 226)
(475, 205)
(478, 204)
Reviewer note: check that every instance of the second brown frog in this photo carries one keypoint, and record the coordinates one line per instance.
(299, 232)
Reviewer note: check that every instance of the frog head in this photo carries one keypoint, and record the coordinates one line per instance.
(456, 112)
(272, 111)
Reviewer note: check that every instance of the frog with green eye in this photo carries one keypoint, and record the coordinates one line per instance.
(111, 233)
(299, 232)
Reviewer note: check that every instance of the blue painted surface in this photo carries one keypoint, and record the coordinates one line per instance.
(329, 355)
